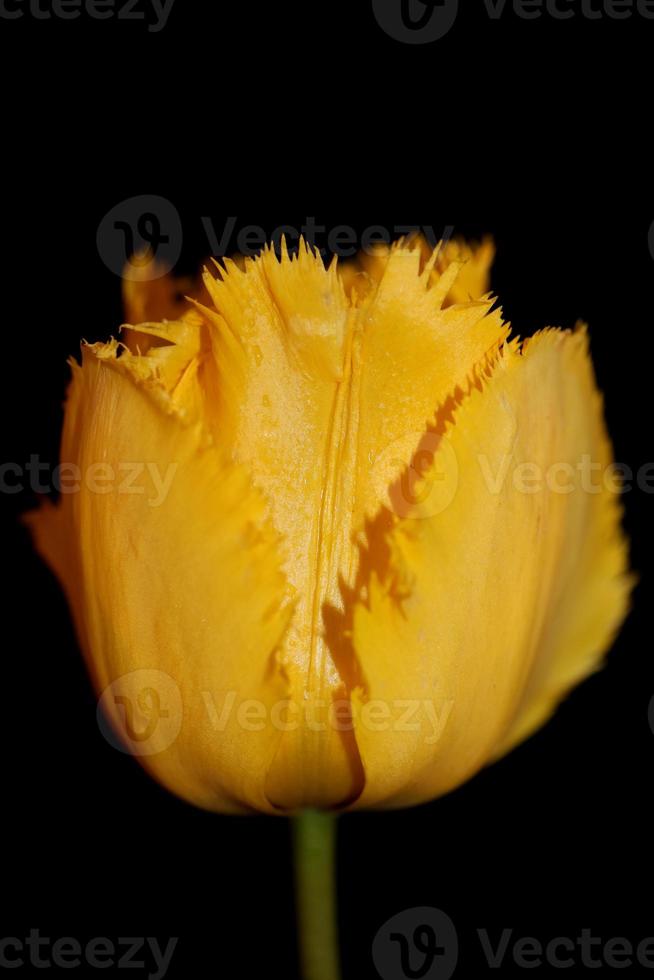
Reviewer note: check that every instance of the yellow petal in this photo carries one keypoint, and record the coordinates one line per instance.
(279, 350)
(593, 596)
(476, 619)
(153, 293)
(473, 263)
(311, 393)
(415, 353)
(473, 282)
(174, 576)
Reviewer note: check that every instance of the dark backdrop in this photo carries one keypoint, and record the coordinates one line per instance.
(532, 131)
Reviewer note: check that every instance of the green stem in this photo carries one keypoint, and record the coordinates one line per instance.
(314, 851)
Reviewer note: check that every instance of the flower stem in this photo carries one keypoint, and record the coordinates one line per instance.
(314, 851)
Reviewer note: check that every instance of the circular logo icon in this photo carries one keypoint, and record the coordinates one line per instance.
(420, 942)
(417, 475)
(415, 21)
(140, 238)
(141, 712)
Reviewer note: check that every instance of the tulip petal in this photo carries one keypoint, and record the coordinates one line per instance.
(473, 263)
(151, 292)
(414, 355)
(325, 403)
(476, 619)
(173, 574)
(279, 342)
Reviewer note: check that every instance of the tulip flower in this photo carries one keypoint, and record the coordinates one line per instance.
(344, 541)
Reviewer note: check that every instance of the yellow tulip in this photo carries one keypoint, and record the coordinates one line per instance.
(336, 541)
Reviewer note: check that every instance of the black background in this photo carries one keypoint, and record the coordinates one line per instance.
(533, 131)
